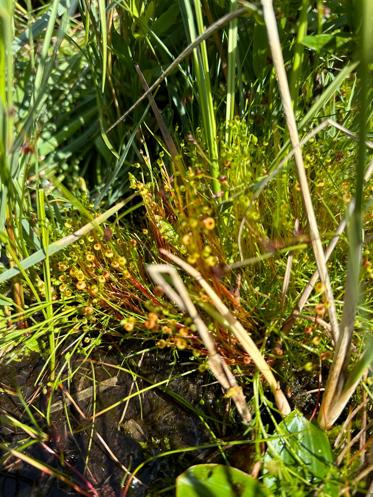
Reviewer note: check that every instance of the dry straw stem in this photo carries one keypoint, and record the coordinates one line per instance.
(240, 333)
(170, 144)
(308, 289)
(339, 389)
(179, 294)
(340, 441)
(275, 46)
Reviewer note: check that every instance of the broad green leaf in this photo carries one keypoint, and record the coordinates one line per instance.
(260, 50)
(322, 41)
(301, 448)
(317, 42)
(217, 480)
(166, 20)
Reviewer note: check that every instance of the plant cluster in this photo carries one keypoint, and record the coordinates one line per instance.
(181, 190)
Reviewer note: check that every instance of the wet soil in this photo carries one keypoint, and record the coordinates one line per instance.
(108, 417)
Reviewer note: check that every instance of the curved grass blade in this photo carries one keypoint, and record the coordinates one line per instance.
(179, 294)
(239, 331)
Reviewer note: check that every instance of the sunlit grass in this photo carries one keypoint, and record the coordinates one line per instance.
(96, 185)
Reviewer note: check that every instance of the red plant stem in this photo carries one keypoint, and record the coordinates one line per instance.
(142, 289)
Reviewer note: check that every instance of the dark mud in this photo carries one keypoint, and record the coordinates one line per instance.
(105, 421)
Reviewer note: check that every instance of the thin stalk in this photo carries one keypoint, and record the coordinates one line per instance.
(289, 265)
(231, 79)
(102, 10)
(333, 243)
(337, 391)
(166, 135)
(296, 71)
(47, 277)
(274, 42)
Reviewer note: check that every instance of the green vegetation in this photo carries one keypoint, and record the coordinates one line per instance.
(186, 263)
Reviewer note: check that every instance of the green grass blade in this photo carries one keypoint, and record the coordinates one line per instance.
(328, 93)
(45, 48)
(102, 9)
(47, 276)
(201, 67)
(6, 104)
(296, 71)
(231, 80)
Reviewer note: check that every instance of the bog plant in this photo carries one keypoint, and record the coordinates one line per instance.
(212, 250)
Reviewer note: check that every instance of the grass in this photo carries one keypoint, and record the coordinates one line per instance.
(188, 206)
